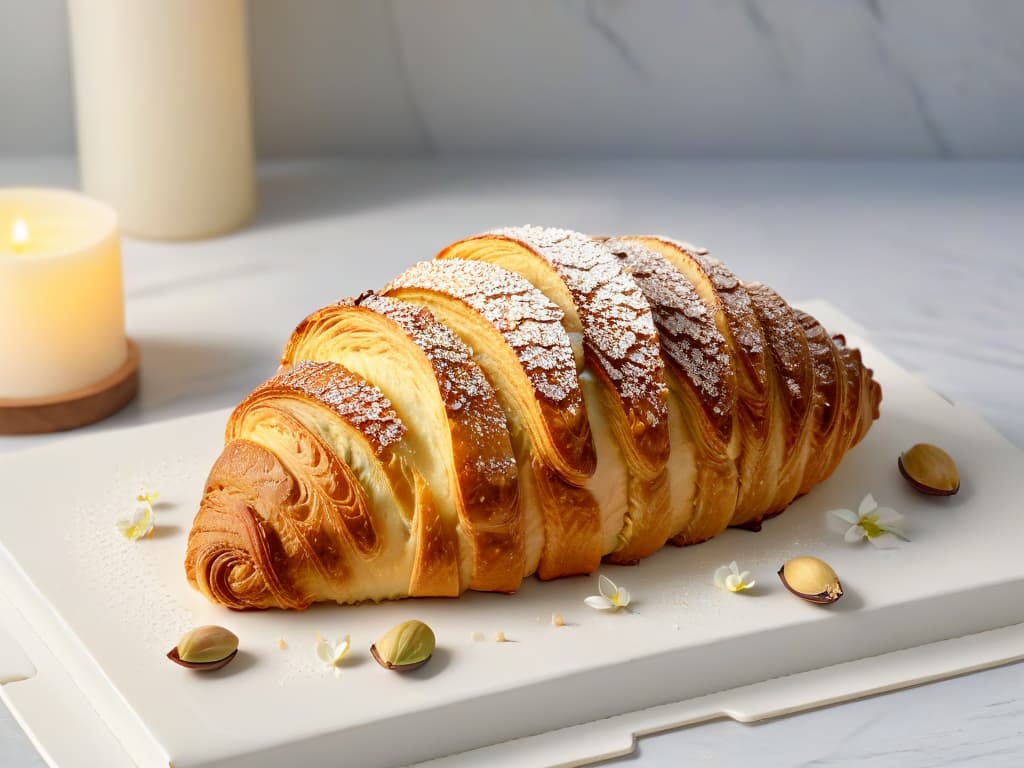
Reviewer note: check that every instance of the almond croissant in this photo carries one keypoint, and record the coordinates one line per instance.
(530, 401)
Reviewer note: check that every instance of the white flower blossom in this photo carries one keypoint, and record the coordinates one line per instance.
(879, 525)
(138, 523)
(612, 597)
(146, 496)
(731, 579)
(330, 653)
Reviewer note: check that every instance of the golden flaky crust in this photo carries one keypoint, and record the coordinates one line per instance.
(463, 443)
(734, 316)
(288, 515)
(531, 401)
(605, 308)
(518, 339)
(702, 380)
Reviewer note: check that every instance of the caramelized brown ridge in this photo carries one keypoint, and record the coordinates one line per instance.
(689, 337)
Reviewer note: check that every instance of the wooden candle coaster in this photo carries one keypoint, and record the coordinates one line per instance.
(56, 413)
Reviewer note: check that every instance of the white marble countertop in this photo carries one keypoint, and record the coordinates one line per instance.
(926, 256)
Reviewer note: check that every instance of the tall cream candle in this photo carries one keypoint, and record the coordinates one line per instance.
(163, 115)
(61, 295)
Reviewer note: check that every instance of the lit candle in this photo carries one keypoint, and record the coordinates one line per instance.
(19, 236)
(61, 296)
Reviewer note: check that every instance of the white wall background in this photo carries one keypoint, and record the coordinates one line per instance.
(819, 78)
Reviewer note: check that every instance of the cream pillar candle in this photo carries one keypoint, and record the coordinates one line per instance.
(61, 295)
(162, 108)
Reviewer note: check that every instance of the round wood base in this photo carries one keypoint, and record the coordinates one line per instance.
(74, 409)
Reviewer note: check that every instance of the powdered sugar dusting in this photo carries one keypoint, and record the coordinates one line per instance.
(136, 579)
(467, 394)
(357, 402)
(527, 320)
(689, 336)
(618, 327)
(739, 314)
(787, 343)
(823, 359)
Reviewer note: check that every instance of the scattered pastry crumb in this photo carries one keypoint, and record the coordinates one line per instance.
(476, 637)
(499, 637)
(557, 620)
(282, 644)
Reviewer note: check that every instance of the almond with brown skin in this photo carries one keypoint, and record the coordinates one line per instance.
(930, 470)
(811, 579)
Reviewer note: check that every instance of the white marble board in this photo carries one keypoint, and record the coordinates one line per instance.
(108, 610)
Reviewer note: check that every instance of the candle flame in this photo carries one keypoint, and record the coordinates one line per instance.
(19, 235)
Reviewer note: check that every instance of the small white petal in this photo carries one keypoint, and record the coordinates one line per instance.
(138, 523)
(600, 603)
(332, 653)
(144, 494)
(885, 541)
(606, 586)
(887, 518)
(733, 582)
(744, 576)
(323, 649)
(838, 525)
(621, 597)
(846, 515)
(734, 567)
(720, 577)
(867, 505)
(750, 584)
(341, 650)
(855, 534)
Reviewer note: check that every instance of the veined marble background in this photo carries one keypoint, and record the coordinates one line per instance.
(722, 78)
